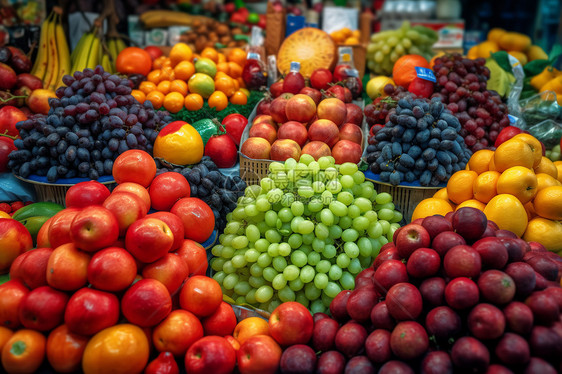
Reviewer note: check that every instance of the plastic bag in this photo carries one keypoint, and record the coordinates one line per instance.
(13, 189)
(539, 115)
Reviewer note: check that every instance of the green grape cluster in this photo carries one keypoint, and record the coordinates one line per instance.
(302, 234)
(388, 46)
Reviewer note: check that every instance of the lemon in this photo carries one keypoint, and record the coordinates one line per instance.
(375, 87)
(201, 84)
(206, 66)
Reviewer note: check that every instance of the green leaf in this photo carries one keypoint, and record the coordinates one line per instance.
(502, 59)
(4, 278)
(537, 66)
(18, 348)
(555, 52)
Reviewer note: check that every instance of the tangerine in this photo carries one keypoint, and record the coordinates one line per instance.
(225, 84)
(480, 160)
(548, 203)
(155, 76)
(546, 166)
(156, 98)
(239, 98)
(184, 70)
(138, 95)
(218, 100)
(249, 327)
(210, 53)
(485, 186)
(164, 86)
(430, 207)
(147, 87)
(193, 101)
(459, 186)
(180, 52)
(404, 72)
(178, 85)
(5, 335)
(173, 102)
(237, 55)
(473, 203)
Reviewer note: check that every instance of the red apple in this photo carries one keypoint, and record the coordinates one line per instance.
(146, 303)
(7, 77)
(191, 211)
(259, 354)
(174, 223)
(33, 268)
(316, 149)
(126, 207)
(93, 228)
(354, 114)
(332, 109)
(264, 118)
(321, 79)
(222, 322)
(300, 108)
(298, 358)
(149, 239)
(276, 88)
(351, 132)
(135, 189)
(164, 363)
(263, 130)
(347, 151)
(277, 108)
(293, 130)
(166, 189)
(59, 229)
(313, 93)
(211, 354)
(11, 294)
(410, 238)
(43, 308)
(14, 240)
(283, 149)
(90, 311)
(9, 116)
(324, 130)
(194, 256)
(112, 269)
(86, 193)
(256, 148)
(506, 134)
(340, 72)
(234, 125)
(153, 51)
(291, 323)
(171, 270)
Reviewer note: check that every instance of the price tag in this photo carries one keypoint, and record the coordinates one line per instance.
(425, 73)
(512, 119)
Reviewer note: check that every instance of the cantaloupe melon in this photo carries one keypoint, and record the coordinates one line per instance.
(313, 48)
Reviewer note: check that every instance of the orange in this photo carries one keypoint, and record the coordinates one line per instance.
(492, 165)
(177, 332)
(237, 55)
(180, 52)
(459, 186)
(245, 91)
(249, 327)
(530, 209)
(193, 102)
(164, 87)
(5, 335)
(222, 67)
(24, 351)
(184, 70)
(155, 76)
(508, 213)
(168, 73)
(535, 145)
(138, 95)
(65, 349)
(441, 194)
(485, 186)
(558, 165)
(547, 167)
(235, 69)
(225, 84)
(513, 153)
(480, 161)
(210, 53)
(118, 349)
(173, 102)
(473, 203)
(520, 182)
(218, 100)
(546, 232)
(158, 62)
(156, 98)
(167, 64)
(221, 58)
(242, 84)
(548, 203)
(545, 180)
(430, 207)
(147, 87)
(5, 215)
(178, 86)
(239, 98)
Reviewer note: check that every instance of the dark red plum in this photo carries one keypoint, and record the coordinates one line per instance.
(445, 241)
(381, 318)
(409, 340)
(540, 282)
(436, 225)
(388, 254)
(331, 362)
(545, 342)
(556, 294)
(318, 316)
(486, 321)
(388, 274)
(542, 265)
(365, 278)
(377, 346)
(462, 261)
(324, 334)
(498, 369)
(299, 358)
(361, 302)
(395, 367)
(512, 349)
(505, 234)
(537, 365)
(544, 307)
(492, 252)
(443, 323)
(518, 317)
(338, 306)
(461, 293)
(404, 302)
(433, 291)
(423, 263)
(359, 365)
(537, 247)
(350, 339)
(469, 354)
(470, 223)
(496, 287)
(524, 277)
(437, 362)
(515, 248)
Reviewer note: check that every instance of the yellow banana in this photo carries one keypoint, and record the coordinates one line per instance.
(93, 58)
(63, 56)
(112, 45)
(120, 45)
(106, 63)
(52, 66)
(165, 18)
(79, 47)
(83, 54)
(40, 66)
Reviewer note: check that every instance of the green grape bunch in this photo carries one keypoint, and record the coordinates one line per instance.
(302, 234)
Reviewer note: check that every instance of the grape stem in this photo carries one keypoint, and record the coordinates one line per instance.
(5, 134)
(12, 97)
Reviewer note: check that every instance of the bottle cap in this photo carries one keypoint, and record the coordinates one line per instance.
(295, 66)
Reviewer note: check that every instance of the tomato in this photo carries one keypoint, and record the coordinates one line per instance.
(65, 349)
(201, 295)
(118, 349)
(234, 124)
(222, 150)
(134, 60)
(11, 294)
(24, 352)
(5, 335)
(179, 143)
(153, 51)
(197, 217)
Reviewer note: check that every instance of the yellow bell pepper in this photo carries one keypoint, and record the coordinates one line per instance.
(179, 143)
(539, 80)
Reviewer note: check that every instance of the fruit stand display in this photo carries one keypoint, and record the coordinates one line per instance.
(353, 202)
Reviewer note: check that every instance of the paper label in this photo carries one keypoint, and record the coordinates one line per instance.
(425, 73)
(512, 119)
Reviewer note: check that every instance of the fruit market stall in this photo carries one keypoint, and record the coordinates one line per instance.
(278, 187)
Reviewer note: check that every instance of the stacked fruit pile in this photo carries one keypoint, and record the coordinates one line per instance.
(303, 233)
(459, 294)
(297, 125)
(461, 84)
(208, 33)
(82, 278)
(184, 80)
(346, 36)
(93, 119)
(387, 47)
(515, 186)
(419, 142)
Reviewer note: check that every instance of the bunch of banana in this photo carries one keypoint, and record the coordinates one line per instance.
(91, 51)
(53, 55)
(164, 18)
